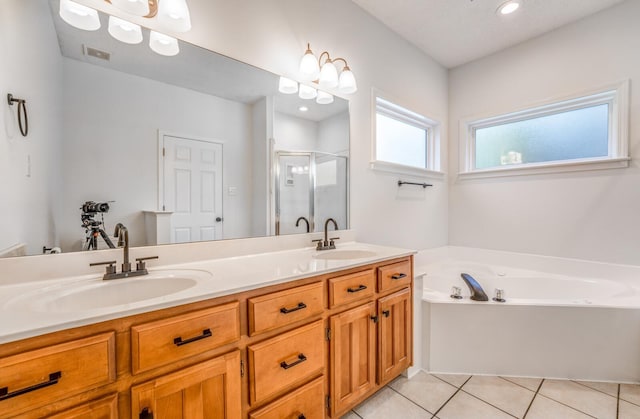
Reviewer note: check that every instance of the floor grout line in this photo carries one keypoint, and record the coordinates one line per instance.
(397, 392)
(618, 404)
(594, 389)
(452, 396)
(356, 413)
(566, 405)
(534, 397)
(484, 401)
(520, 385)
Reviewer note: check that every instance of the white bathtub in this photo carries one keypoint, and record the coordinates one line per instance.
(553, 325)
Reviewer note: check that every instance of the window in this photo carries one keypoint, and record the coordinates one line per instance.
(404, 141)
(575, 134)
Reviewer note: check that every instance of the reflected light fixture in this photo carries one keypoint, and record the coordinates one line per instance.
(163, 44)
(324, 98)
(324, 71)
(174, 15)
(79, 16)
(508, 7)
(287, 86)
(124, 31)
(303, 109)
(307, 92)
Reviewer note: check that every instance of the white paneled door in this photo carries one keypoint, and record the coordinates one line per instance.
(192, 188)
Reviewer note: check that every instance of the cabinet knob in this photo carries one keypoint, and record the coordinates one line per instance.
(146, 414)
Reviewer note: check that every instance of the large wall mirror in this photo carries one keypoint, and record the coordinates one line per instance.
(191, 147)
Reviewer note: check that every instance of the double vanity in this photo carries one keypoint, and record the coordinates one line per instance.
(288, 334)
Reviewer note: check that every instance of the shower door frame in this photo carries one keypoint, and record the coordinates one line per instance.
(312, 186)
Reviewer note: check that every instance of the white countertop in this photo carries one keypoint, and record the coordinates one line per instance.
(27, 307)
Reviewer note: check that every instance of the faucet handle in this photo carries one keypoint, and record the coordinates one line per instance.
(332, 242)
(140, 266)
(111, 268)
(320, 243)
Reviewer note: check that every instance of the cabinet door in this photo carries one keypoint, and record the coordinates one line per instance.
(208, 390)
(395, 339)
(353, 350)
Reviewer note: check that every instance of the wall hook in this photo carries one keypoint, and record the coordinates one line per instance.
(22, 113)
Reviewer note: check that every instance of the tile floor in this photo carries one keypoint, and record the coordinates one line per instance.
(479, 397)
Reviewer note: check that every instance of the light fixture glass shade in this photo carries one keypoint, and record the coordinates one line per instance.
(347, 82)
(124, 31)
(309, 68)
(79, 16)
(307, 92)
(508, 7)
(163, 44)
(134, 7)
(328, 75)
(174, 15)
(287, 86)
(324, 98)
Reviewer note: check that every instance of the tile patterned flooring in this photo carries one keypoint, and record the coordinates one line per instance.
(478, 397)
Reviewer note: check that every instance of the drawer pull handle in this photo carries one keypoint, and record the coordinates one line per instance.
(301, 416)
(301, 359)
(206, 333)
(300, 306)
(360, 288)
(386, 313)
(146, 414)
(398, 276)
(53, 379)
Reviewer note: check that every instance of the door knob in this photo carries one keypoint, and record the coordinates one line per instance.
(218, 219)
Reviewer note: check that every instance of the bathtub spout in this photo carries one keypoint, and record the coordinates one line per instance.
(477, 293)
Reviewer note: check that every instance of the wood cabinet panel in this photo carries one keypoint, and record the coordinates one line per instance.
(396, 275)
(268, 312)
(280, 362)
(307, 402)
(168, 340)
(208, 390)
(353, 287)
(353, 356)
(396, 334)
(105, 408)
(38, 377)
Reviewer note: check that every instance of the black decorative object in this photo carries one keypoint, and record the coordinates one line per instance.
(22, 113)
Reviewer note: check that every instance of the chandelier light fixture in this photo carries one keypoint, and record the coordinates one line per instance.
(169, 15)
(324, 73)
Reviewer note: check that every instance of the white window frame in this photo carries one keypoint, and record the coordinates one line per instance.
(382, 104)
(615, 95)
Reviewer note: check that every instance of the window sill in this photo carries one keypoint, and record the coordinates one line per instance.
(399, 169)
(544, 168)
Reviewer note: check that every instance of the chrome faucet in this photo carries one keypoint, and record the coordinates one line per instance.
(302, 219)
(327, 243)
(477, 293)
(122, 233)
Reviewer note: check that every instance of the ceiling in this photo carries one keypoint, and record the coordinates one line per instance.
(455, 32)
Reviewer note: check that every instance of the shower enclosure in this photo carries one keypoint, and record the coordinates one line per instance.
(313, 185)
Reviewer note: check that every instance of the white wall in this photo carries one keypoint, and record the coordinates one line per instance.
(589, 215)
(333, 134)
(294, 134)
(27, 204)
(100, 155)
(273, 34)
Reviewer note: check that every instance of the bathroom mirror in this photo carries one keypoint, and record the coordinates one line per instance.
(190, 147)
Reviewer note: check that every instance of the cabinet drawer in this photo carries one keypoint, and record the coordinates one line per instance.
(168, 340)
(307, 402)
(393, 276)
(347, 288)
(106, 408)
(286, 359)
(278, 309)
(40, 377)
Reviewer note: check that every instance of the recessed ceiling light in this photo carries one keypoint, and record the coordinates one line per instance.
(508, 7)
(303, 109)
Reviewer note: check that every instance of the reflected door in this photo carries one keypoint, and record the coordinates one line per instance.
(192, 188)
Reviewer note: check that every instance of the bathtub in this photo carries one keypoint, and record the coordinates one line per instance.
(581, 322)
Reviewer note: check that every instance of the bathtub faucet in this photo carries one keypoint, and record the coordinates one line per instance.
(477, 293)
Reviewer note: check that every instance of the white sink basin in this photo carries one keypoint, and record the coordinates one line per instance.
(344, 254)
(95, 293)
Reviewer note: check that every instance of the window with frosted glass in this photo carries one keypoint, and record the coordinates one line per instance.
(569, 135)
(400, 142)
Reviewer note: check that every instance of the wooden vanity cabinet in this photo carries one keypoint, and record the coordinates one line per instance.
(313, 348)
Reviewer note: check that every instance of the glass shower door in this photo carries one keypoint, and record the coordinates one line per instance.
(294, 192)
